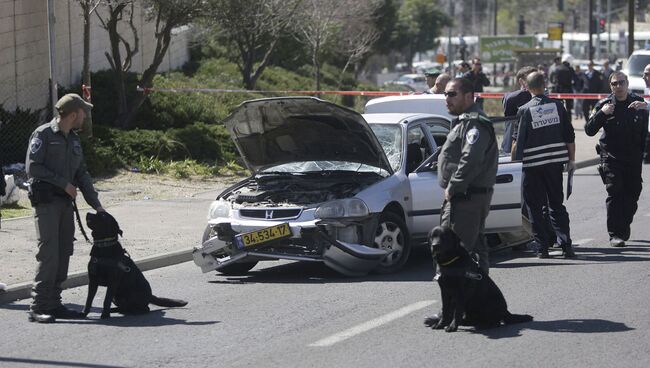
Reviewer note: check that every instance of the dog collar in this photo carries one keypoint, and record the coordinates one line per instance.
(450, 262)
(104, 242)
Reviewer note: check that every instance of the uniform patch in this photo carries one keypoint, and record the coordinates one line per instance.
(472, 136)
(544, 115)
(35, 145)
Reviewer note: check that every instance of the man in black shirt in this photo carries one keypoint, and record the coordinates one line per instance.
(623, 117)
(511, 103)
(564, 78)
(478, 79)
(593, 85)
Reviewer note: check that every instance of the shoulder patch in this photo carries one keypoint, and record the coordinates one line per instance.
(472, 136)
(35, 145)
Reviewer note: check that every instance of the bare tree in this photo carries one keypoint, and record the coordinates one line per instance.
(166, 15)
(359, 33)
(87, 7)
(253, 28)
(116, 11)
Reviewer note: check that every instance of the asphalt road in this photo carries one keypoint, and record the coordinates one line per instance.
(589, 312)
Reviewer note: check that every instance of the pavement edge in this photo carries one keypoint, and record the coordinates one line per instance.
(23, 290)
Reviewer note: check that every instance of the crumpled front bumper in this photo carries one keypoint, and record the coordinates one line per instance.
(350, 259)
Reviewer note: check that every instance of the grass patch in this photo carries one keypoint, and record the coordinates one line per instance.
(21, 209)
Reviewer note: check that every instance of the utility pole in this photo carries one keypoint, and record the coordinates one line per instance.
(609, 26)
(598, 11)
(590, 12)
(630, 27)
(51, 38)
(449, 54)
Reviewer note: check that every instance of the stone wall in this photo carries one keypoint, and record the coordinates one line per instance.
(24, 49)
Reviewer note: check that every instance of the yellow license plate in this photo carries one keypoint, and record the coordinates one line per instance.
(261, 236)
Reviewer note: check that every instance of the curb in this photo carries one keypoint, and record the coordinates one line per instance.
(23, 290)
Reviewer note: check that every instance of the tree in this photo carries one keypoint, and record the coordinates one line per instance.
(253, 28)
(87, 7)
(358, 34)
(419, 23)
(166, 15)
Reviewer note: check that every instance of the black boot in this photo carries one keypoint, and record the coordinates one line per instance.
(40, 317)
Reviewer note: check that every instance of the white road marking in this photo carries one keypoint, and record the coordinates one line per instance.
(369, 325)
(581, 241)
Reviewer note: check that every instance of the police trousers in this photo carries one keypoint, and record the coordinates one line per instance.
(623, 184)
(466, 216)
(542, 186)
(55, 235)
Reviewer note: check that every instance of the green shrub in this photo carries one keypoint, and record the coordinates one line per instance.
(15, 129)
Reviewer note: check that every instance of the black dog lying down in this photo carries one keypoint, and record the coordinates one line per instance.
(469, 296)
(111, 266)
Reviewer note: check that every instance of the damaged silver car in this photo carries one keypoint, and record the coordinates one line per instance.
(329, 187)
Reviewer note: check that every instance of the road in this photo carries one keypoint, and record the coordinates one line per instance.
(589, 312)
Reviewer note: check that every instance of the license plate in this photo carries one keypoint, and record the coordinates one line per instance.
(253, 238)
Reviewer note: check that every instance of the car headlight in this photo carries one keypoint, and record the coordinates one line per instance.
(349, 207)
(218, 209)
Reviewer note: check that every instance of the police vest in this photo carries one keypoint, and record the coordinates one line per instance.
(544, 142)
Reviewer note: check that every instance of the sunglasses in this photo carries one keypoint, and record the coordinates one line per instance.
(450, 94)
(617, 83)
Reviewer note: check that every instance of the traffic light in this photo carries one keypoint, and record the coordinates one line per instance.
(601, 25)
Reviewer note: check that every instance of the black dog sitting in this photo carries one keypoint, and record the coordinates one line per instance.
(111, 266)
(469, 296)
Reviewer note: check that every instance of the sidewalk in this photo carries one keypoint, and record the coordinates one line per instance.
(156, 233)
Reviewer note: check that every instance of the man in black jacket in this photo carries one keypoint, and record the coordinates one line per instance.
(478, 79)
(563, 78)
(593, 85)
(623, 117)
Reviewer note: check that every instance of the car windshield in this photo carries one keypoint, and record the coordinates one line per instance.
(390, 139)
(636, 64)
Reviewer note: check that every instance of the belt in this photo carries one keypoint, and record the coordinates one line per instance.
(479, 190)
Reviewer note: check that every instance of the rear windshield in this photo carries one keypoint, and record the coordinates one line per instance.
(636, 64)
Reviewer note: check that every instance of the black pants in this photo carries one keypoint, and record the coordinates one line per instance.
(587, 105)
(646, 155)
(623, 184)
(542, 186)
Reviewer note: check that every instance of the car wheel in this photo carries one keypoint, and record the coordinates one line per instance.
(392, 235)
(235, 269)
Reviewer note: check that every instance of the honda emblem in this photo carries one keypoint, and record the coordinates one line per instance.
(269, 214)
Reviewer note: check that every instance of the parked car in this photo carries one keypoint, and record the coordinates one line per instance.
(634, 70)
(330, 185)
(416, 82)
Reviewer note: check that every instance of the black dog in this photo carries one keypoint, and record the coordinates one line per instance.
(469, 296)
(111, 266)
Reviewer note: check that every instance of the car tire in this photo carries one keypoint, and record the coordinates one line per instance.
(235, 269)
(392, 234)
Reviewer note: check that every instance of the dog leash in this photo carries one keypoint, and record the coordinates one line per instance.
(81, 227)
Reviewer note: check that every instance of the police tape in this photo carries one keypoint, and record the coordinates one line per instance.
(563, 96)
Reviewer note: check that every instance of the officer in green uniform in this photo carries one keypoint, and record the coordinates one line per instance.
(56, 167)
(467, 168)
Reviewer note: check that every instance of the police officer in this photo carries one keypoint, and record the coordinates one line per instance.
(478, 79)
(467, 169)
(593, 85)
(545, 141)
(511, 103)
(623, 117)
(431, 76)
(56, 167)
(564, 78)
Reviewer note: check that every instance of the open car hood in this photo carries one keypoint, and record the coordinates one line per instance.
(274, 131)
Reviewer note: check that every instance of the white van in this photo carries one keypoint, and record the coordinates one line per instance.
(634, 70)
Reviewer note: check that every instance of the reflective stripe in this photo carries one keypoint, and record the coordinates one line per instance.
(539, 163)
(533, 149)
(546, 154)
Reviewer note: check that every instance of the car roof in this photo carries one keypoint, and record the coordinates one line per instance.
(421, 103)
(397, 118)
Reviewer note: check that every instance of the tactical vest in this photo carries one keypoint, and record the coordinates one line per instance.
(544, 142)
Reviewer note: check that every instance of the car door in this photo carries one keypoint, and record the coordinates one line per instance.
(427, 194)
(505, 209)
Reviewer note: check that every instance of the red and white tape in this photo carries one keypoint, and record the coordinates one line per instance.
(582, 96)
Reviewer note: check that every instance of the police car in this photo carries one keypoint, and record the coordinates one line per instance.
(330, 185)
